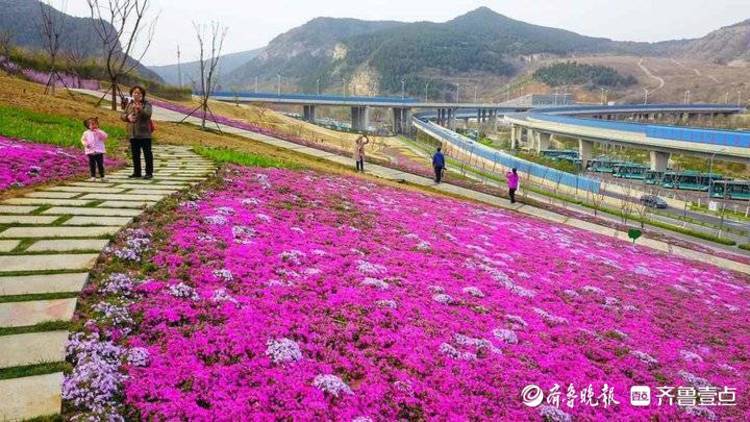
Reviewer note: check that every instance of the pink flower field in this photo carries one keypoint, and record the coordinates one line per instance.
(287, 295)
(24, 163)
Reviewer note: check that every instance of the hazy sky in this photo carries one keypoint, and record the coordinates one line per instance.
(252, 26)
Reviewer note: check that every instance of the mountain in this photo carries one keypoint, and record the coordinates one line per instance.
(191, 70)
(21, 18)
(376, 56)
(727, 45)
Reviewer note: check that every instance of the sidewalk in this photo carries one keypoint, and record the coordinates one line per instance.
(50, 239)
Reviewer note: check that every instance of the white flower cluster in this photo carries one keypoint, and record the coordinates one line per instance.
(184, 291)
(508, 336)
(376, 283)
(224, 275)
(369, 268)
(332, 384)
(551, 320)
(283, 350)
(473, 291)
(443, 298)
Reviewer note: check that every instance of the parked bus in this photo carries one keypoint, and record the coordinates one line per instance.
(630, 171)
(689, 180)
(653, 177)
(731, 189)
(602, 165)
(561, 154)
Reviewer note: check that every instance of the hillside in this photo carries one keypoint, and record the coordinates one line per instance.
(21, 18)
(481, 48)
(375, 56)
(191, 70)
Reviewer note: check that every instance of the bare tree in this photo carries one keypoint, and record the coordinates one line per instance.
(597, 198)
(208, 62)
(122, 26)
(626, 203)
(51, 27)
(6, 43)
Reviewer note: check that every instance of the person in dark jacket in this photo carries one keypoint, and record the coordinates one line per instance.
(137, 114)
(438, 163)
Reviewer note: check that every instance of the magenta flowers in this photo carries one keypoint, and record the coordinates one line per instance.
(24, 163)
(295, 295)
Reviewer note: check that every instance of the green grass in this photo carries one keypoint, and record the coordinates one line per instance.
(224, 155)
(49, 129)
(31, 370)
(39, 296)
(745, 246)
(38, 328)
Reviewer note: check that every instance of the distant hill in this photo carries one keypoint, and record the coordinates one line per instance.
(377, 55)
(191, 70)
(728, 45)
(22, 17)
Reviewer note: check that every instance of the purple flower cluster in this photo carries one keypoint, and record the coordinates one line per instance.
(336, 317)
(24, 163)
(64, 80)
(137, 242)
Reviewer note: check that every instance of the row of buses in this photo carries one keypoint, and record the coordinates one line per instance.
(719, 186)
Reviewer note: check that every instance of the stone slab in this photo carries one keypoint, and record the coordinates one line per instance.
(127, 204)
(50, 194)
(122, 197)
(17, 209)
(26, 219)
(97, 221)
(33, 348)
(53, 232)
(90, 184)
(8, 245)
(84, 189)
(151, 186)
(21, 314)
(52, 262)
(68, 245)
(30, 397)
(46, 283)
(164, 192)
(47, 201)
(111, 212)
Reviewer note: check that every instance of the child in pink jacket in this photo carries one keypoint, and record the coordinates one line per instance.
(93, 145)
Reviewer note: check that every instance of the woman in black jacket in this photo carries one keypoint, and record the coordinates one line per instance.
(140, 128)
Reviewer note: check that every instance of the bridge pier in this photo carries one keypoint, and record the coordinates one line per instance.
(360, 118)
(308, 112)
(542, 141)
(585, 150)
(659, 160)
(514, 135)
(402, 120)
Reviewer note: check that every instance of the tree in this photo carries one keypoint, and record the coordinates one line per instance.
(121, 25)
(51, 27)
(208, 62)
(6, 44)
(597, 198)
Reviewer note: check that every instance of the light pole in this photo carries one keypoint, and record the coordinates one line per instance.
(687, 97)
(458, 92)
(278, 84)
(475, 94)
(604, 96)
(403, 88)
(739, 97)
(556, 96)
(256, 84)
(710, 170)
(645, 96)
(726, 98)
(318, 82)
(426, 85)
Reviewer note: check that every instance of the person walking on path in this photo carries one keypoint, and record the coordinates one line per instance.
(140, 129)
(512, 177)
(359, 152)
(438, 163)
(93, 146)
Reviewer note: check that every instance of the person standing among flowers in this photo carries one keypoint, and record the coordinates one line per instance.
(512, 178)
(359, 152)
(438, 163)
(93, 146)
(140, 128)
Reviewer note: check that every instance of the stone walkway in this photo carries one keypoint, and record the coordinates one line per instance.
(49, 240)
